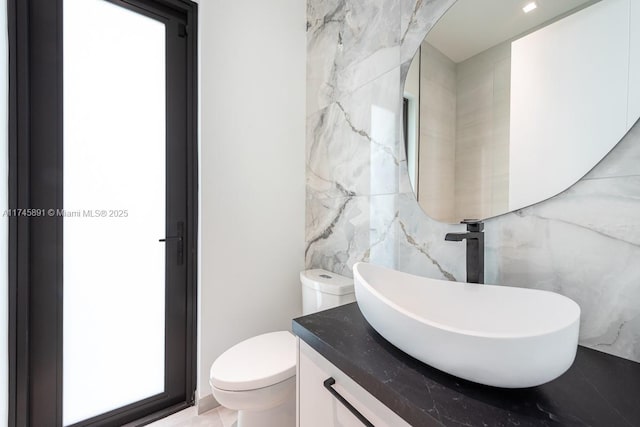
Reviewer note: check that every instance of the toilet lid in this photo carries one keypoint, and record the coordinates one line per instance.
(255, 363)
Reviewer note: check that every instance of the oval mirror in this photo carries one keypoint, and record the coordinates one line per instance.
(510, 102)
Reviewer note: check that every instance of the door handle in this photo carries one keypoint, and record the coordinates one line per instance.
(179, 238)
(168, 238)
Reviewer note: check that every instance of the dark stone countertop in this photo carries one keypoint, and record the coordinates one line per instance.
(599, 390)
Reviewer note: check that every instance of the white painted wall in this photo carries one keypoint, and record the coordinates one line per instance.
(584, 105)
(252, 171)
(4, 224)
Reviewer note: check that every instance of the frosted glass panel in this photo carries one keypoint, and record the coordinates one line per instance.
(114, 200)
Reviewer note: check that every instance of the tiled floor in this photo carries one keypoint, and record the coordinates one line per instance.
(219, 417)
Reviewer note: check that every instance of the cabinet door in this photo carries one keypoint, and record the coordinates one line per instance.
(317, 407)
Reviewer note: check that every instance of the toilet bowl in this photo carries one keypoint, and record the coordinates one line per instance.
(257, 376)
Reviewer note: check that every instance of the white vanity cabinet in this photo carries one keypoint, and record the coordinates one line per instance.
(318, 407)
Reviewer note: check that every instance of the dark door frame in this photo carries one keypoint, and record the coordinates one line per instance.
(35, 239)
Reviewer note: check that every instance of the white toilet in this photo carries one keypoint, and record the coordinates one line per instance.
(257, 377)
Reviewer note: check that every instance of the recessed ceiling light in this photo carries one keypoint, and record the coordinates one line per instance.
(529, 7)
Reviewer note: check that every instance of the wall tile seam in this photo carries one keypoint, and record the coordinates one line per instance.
(604, 178)
(342, 95)
(363, 196)
(576, 225)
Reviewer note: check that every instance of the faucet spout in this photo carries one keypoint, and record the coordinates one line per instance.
(475, 249)
(455, 237)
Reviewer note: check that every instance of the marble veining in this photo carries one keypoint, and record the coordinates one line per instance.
(598, 390)
(583, 243)
(350, 42)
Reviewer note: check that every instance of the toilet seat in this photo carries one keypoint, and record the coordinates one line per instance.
(258, 362)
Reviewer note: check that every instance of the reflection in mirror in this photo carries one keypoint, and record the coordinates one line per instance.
(518, 106)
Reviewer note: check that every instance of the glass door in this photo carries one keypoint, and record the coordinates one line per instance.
(105, 271)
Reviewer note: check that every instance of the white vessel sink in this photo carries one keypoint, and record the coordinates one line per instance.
(495, 335)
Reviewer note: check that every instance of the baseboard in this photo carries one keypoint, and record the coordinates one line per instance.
(207, 403)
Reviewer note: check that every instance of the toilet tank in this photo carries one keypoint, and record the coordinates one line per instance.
(322, 289)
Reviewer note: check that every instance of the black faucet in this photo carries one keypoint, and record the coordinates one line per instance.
(475, 249)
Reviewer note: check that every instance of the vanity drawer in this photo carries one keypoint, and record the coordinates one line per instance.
(320, 407)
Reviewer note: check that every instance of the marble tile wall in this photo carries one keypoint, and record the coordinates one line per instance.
(583, 243)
